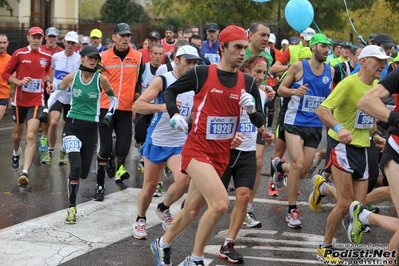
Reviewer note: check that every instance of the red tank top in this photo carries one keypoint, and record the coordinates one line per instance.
(216, 115)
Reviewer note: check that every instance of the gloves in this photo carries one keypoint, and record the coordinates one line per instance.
(178, 122)
(106, 122)
(44, 116)
(248, 102)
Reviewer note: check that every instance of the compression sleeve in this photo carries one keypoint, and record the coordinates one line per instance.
(113, 101)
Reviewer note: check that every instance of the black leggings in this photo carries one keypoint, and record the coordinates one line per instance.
(86, 132)
(122, 125)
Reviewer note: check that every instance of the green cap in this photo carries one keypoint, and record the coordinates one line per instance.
(319, 38)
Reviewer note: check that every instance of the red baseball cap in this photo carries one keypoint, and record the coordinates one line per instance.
(35, 31)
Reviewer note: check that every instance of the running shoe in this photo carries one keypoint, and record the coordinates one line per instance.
(187, 262)
(110, 167)
(99, 193)
(167, 171)
(315, 197)
(229, 253)
(325, 255)
(43, 144)
(162, 254)
(122, 174)
(314, 165)
(372, 209)
(272, 189)
(139, 229)
(292, 219)
(62, 159)
(158, 191)
(166, 218)
(355, 228)
(250, 221)
(71, 215)
(140, 166)
(278, 178)
(23, 180)
(47, 158)
(15, 160)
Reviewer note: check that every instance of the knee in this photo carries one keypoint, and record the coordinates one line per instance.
(342, 206)
(296, 166)
(243, 197)
(31, 136)
(182, 181)
(53, 123)
(220, 207)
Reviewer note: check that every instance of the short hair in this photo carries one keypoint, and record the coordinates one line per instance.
(156, 45)
(4, 35)
(195, 37)
(193, 27)
(187, 31)
(354, 49)
(254, 26)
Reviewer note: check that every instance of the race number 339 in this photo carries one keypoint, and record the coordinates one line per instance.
(219, 128)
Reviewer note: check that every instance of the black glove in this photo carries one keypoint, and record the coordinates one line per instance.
(44, 116)
(106, 122)
(393, 119)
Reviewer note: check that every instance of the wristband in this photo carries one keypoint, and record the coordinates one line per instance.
(338, 127)
(376, 132)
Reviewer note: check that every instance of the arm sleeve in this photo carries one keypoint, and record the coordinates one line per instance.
(113, 101)
(189, 81)
(391, 81)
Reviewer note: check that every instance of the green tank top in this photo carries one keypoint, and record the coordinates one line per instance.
(85, 102)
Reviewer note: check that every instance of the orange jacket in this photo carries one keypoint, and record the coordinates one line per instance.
(4, 86)
(123, 77)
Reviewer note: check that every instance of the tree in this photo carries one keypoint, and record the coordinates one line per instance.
(5, 4)
(89, 10)
(115, 11)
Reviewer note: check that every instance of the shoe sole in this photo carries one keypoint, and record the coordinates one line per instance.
(259, 225)
(23, 181)
(140, 237)
(97, 199)
(62, 163)
(14, 168)
(140, 169)
(293, 226)
(224, 257)
(273, 194)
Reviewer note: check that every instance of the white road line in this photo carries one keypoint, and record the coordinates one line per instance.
(47, 240)
(6, 128)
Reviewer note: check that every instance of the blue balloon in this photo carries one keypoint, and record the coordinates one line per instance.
(261, 1)
(299, 14)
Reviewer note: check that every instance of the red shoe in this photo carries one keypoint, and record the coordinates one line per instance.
(272, 189)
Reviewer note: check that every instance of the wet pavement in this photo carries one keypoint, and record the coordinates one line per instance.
(32, 231)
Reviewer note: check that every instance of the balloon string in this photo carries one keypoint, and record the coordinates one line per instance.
(353, 26)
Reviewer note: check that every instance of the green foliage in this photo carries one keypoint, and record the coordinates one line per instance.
(89, 10)
(115, 11)
(5, 4)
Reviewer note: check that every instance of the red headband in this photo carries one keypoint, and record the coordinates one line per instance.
(261, 61)
(232, 33)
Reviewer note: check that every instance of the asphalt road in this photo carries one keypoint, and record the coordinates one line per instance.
(32, 231)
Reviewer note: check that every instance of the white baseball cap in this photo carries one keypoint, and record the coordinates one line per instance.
(285, 41)
(373, 51)
(307, 34)
(188, 52)
(72, 36)
(272, 38)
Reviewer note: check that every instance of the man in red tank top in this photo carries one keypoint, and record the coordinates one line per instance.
(221, 93)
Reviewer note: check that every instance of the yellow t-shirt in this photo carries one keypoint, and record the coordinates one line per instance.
(343, 101)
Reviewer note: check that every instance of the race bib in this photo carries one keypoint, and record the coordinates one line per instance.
(213, 58)
(246, 127)
(310, 103)
(363, 120)
(71, 144)
(34, 86)
(220, 128)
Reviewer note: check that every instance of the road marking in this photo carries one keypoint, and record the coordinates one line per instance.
(6, 128)
(47, 240)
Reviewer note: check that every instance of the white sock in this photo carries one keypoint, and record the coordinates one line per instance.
(249, 207)
(163, 244)
(364, 217)
(228, 240)
(196, 258)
